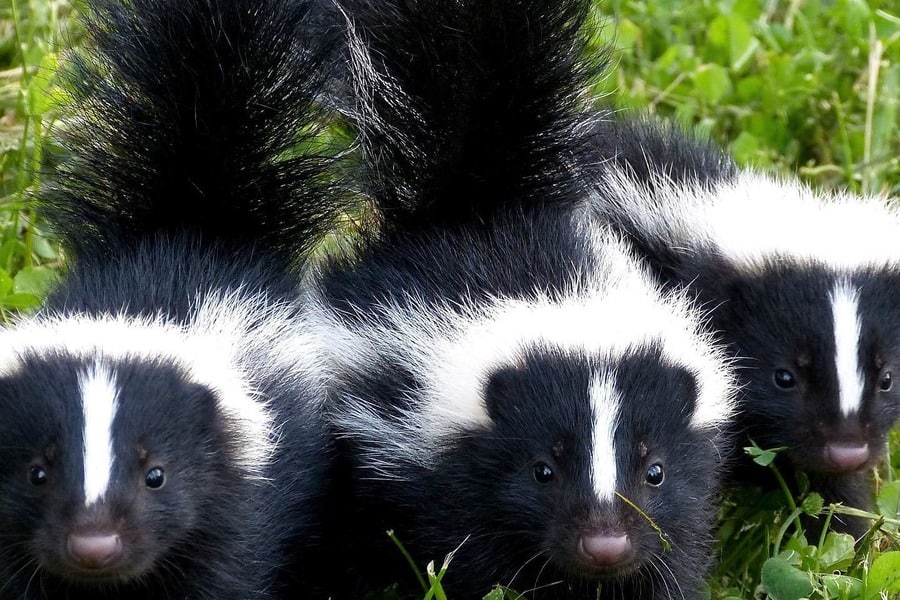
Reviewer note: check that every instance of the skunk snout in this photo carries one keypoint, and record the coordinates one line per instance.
(845, 457)
(94, 549)
(605, 549)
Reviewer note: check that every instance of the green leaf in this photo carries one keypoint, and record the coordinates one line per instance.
(836, 552)
(842, 586)
(732, 41)
(627, 35)
(6, 283)
(712, 81)
(40, 89)
(502, 593)
(745, 148)
(20, 301)
(888, 500)
(764, 458)
(42, 247)
(884, 575)
(11, 247)
(35, 280)
(784, 581)
(495, 594)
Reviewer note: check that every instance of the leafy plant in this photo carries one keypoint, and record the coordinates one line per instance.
(29, 39)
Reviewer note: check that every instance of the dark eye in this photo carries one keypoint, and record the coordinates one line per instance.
(784, 379)
(37, 475)
(155, 478)
(542, 472)
(886, 382)
(655, 475)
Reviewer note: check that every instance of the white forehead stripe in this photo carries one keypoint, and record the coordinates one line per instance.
(845, 310)
(232, 344)
(605, 403)
(610, 312)
(99, 403)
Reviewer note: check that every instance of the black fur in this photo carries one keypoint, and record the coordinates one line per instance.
(778, 317)
(187, 116)
(182, 189)
(644, 147)
(481, 110)
(474, 140)
(481, 499)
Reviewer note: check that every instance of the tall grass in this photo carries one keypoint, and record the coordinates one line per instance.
(807, 87)
(30, 34)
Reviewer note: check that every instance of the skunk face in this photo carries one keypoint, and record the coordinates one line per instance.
(571, 436)
(819, 352)
(106, 466)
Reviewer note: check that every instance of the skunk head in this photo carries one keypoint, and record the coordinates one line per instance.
(802, 287)
(111, 460)
(819, 351)
(534, 419)
(586, 457)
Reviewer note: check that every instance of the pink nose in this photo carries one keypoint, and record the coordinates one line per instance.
(844, 458)
(605, 550)
(95, 551)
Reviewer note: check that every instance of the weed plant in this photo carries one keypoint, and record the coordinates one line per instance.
(809, 87)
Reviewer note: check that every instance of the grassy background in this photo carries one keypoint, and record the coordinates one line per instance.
(809, 87)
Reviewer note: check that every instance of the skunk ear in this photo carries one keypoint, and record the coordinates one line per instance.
(504, 390)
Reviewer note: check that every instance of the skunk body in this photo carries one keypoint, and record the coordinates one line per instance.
(500, 373)
(800, 286)
(161, 434)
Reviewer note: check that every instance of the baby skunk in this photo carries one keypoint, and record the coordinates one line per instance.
(160, 429)
(802, 286)
(503, 379)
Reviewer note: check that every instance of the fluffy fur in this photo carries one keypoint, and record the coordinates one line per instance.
(500, 372)
(798, 282)
(161, 435)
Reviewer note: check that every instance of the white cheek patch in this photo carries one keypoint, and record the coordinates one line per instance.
(605, 403)
(845, 310)
(99, 401)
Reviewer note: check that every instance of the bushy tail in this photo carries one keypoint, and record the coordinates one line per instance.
(195, 116)
(465, 108)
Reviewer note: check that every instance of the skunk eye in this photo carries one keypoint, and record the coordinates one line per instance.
(155, 478)
(542, 472)
(37, 475)
(655, 475)
(784, 379)
(886, 382)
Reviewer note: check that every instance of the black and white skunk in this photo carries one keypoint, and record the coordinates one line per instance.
(802, 286)
(506, 381)
(160, 430)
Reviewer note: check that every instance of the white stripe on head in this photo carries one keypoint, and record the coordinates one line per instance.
(608, 313)
(99, 394)
(605, 403)
(845, 310)
(233, 344)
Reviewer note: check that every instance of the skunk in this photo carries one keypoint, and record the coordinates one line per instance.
(505, 382)
(161, 423)
(800, 285)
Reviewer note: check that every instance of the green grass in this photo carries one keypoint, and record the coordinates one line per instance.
(29, 38)
(804, 87)
(810, 87)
